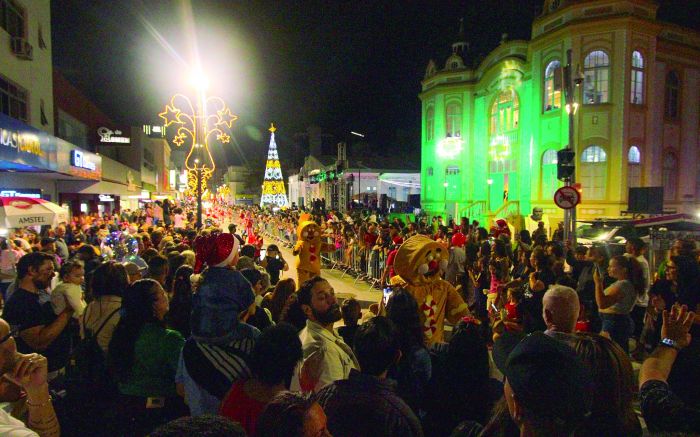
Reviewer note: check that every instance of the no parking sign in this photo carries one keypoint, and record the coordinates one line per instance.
(567, 197)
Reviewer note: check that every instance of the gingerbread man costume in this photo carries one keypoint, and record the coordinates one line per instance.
(308, 249)
(418, 264)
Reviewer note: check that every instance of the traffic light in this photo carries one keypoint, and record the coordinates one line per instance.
(565, 164)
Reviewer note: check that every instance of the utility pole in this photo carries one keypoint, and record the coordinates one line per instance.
(572, 80)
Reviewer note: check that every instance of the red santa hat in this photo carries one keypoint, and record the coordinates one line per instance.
(458, 239)
(214, 251)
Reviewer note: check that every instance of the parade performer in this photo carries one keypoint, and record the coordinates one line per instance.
(418, 265)
(308, 249)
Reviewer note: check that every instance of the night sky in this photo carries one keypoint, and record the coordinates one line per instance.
(343, 65)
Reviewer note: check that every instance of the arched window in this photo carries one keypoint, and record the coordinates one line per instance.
(673, 86)
(596, 71)
(550, 184)
(429, 123)
(552, 86)
(637, 82)
(634, 167)
(593, 174)
(670, 177)
(505, 112)
(453, 116)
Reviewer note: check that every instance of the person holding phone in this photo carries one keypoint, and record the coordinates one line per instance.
(274, 264)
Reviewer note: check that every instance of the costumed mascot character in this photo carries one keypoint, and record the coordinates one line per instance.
(216, 354)
(308, 248)
(418, 264)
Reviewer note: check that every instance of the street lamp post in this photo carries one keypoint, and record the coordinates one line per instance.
(572, 80)
(195, 125)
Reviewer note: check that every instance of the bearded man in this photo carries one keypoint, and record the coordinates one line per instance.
(326, 356)
(40, 329)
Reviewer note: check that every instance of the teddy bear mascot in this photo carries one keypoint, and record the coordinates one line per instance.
(418, 265)
(308, 248)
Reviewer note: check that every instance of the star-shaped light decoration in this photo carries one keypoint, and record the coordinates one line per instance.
(179, 139)
(170, 115)
(226, 117)
(272, 128)
(224, 137)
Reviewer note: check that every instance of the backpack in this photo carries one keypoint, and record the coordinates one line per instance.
(88, 363)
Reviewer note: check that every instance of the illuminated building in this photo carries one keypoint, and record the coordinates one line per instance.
(490, 131)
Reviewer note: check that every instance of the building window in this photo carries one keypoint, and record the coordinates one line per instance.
(552, 86)
(637, 82)
(505, 113)
(670, 177)
(550, 183)
(634, 167)
(596, 70)
(673, 86)
(453, 115)
(392, 193)
(12, 18)
(13, 100)
(430, 171)
(429, 123)
(452, 170)
(72, 130)
(593, 174)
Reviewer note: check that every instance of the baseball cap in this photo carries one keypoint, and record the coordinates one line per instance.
(547, 377)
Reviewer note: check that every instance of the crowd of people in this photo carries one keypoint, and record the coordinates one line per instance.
(141, 324)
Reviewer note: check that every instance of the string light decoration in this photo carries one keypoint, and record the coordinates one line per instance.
(197, 125)
(273, 192)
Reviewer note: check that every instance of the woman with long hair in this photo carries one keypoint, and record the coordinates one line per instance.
(181, 304)
(614, 385)
(617, 301)
(109, 282)
(280, 298)
(143, 357)
(414, 369)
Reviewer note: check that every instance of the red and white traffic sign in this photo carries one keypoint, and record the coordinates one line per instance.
(567, 197)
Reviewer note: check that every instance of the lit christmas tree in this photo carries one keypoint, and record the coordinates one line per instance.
(273, 186)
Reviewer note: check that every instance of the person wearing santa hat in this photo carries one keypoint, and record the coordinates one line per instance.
(457, 260)
(215, 356)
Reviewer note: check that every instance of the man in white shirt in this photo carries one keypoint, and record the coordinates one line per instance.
(326, 357)
(30, 373)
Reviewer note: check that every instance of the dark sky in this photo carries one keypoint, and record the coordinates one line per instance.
(344, 65)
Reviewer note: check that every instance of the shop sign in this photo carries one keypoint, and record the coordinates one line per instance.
(25, 145)
(106, 198)
(112, 136)
(21, 192)
(80, 160)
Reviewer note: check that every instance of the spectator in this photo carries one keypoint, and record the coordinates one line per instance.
(8, 265)
(280, 298)
(133, 271)
(207, 425)
(217, 353)
(158, 269)
(181, 304)
(69, 291)
(292, 414)
(413, 371)
(560, 310)
(89, 255)
(540, 279)
(616, 301)
(274, 263)
(276, 354)
(547, 388)
(366, 404)
(612, 413)
(109, 284)
(661, 408)
(175, 260)
(39, 328)
(30, 373)
(351, 313)
(143, 356)
(259, 317)
(326, 356)
(61, 246)
(454, 394)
